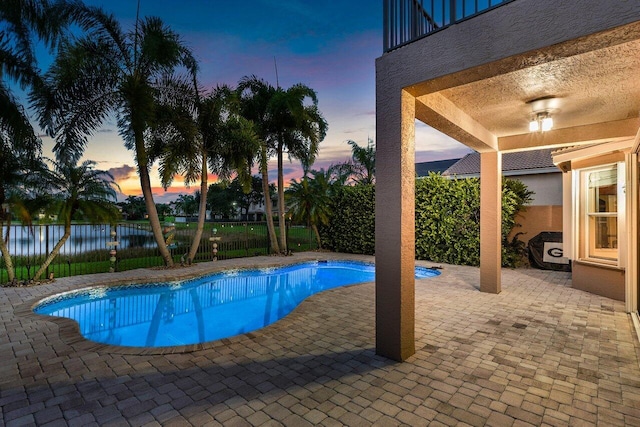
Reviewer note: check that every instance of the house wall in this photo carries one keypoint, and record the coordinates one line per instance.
(545, 211)
(537, 219)
(547, 188)
(485, 39)
(589, 275)
(599, 280)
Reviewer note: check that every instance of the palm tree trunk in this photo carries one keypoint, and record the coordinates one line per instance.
(54, 253)
(145, 185)
(154, 220)
(317, 233)
(267, 201)
(204, 180)
(6, 255)
(8, 262)
(281, 207)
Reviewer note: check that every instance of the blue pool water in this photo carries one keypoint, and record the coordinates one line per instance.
(203, 309)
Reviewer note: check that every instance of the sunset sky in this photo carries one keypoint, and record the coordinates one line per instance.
(330, 46)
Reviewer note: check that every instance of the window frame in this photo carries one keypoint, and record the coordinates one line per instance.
(586, 251)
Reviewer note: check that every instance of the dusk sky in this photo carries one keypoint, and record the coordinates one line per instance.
(329, 46)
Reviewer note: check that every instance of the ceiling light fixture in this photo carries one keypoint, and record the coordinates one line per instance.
(541, 122)
(541, 108)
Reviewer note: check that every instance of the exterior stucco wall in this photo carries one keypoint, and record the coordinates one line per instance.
(395, 224)
(547, 188)
(537, 219)
(507, 31)
(599, 280)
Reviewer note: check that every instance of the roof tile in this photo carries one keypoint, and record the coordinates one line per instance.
(522, 160)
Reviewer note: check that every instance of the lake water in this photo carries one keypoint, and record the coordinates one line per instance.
(40, 239)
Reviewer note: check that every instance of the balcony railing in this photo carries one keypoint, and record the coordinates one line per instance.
(408, 20)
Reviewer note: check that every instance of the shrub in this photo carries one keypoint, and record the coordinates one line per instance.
(447, 220)
(351, 226)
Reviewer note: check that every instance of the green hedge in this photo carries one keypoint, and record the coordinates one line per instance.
(351, 227)
(447, 220)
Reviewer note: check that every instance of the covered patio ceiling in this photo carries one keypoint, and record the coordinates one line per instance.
(488, 108)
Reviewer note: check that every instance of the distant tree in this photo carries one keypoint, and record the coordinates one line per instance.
(186, 204)
(340, 173)
(220, 200)
(164, 210)
(133, 208)
(245, 199)
(79, 190)
(362, 166)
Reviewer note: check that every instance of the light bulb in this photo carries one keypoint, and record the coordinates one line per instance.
(533, 126)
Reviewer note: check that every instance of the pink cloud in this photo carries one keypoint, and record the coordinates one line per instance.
(123, 172)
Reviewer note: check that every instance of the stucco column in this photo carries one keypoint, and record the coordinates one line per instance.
(490, 221)
(395, 224)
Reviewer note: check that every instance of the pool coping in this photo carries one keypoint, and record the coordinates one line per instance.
(69, 331)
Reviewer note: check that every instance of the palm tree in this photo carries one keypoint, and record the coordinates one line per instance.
(255, 95)
(310, 200)
(362, 166)
(228, 143)
(24, 193)
(79, 190)
(340, 173)
(214, 138)
(20, 147)
(112, 71)
(298, 127)
(287, 120)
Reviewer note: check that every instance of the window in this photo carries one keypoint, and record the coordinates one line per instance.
(603, 204)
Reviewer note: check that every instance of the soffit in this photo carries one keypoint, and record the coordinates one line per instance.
(594, 87)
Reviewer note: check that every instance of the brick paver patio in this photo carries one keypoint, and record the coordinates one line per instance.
(539, 353)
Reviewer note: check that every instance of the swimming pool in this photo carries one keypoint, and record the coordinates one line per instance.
(204, 309)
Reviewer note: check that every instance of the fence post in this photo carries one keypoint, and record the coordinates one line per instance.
(452, 11)
(46, 238)
(287, 226)
(246, 237)
(268, 240)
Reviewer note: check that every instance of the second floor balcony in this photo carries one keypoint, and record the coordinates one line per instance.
(408, 20)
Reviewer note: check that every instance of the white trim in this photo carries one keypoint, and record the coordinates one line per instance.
(576, 203)
(636, 143)
(567, 215)
(636, 325)
(622, 215)
(584, 231)
(592, 151)
(631, 274)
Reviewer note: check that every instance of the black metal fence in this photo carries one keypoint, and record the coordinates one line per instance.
(407, 20)
(90, 248)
